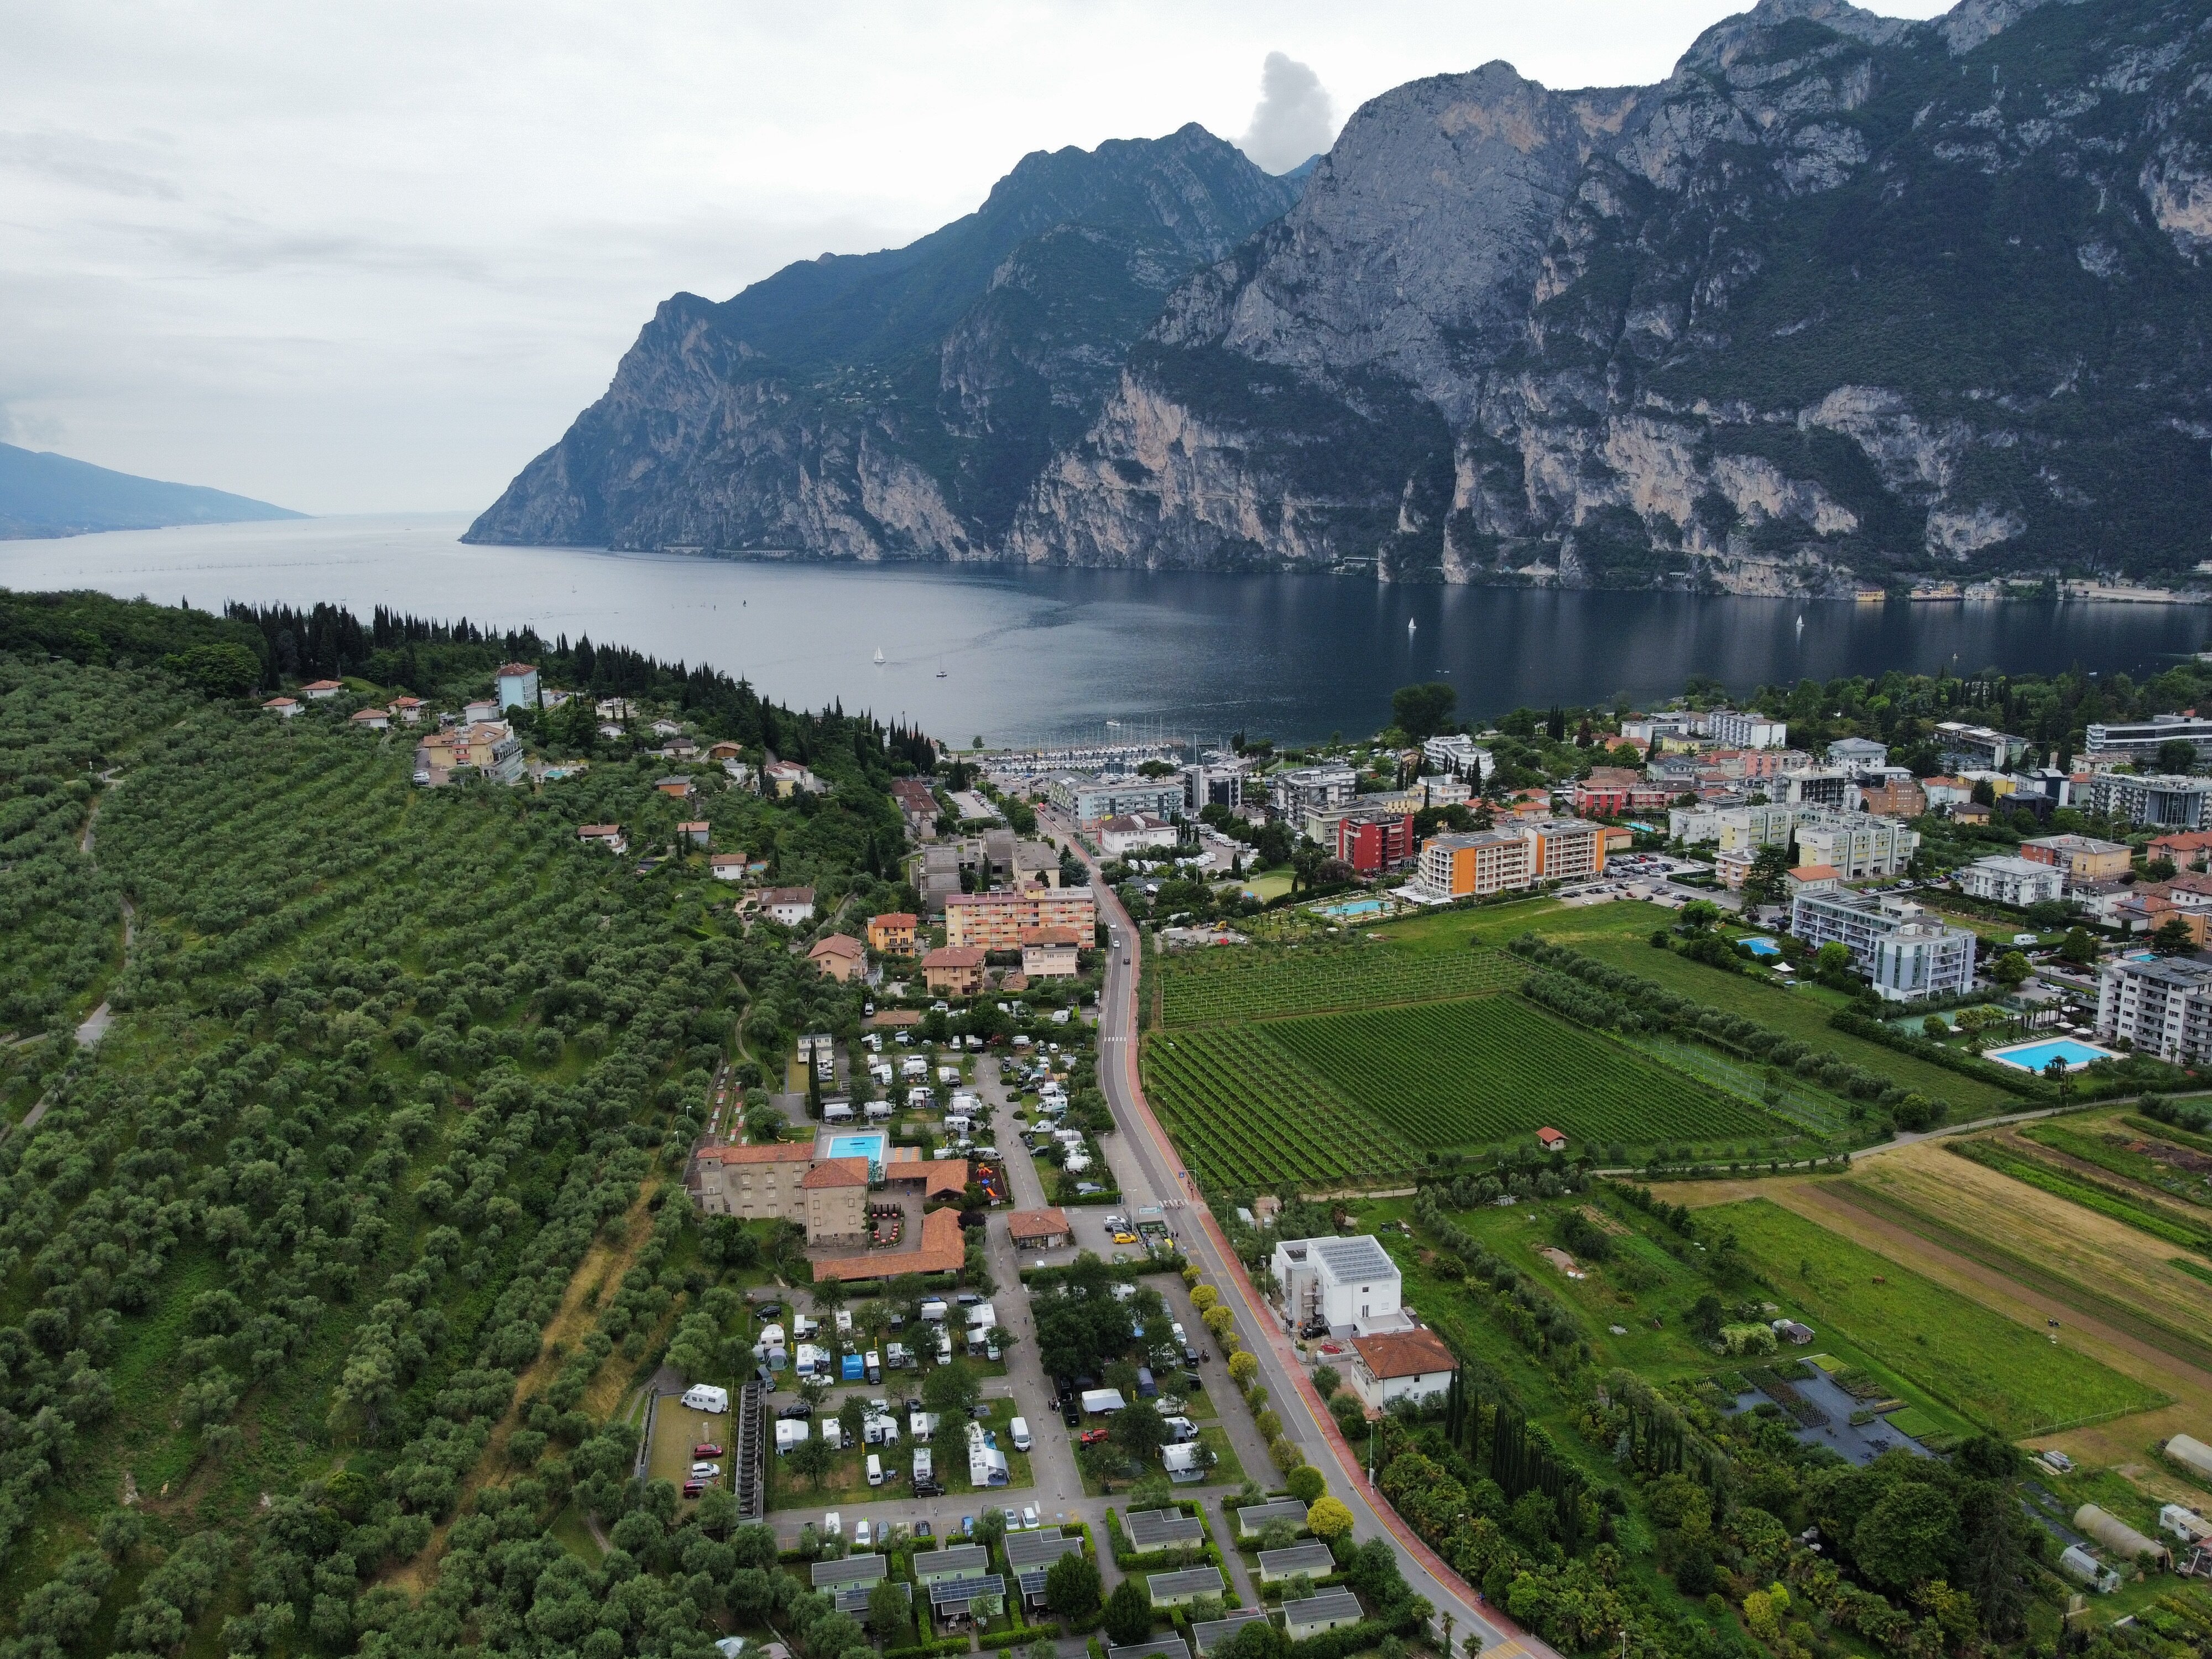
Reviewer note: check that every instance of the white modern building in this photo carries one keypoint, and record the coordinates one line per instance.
(1966, 747)
(1858, 755)
(1292, 794)
(1733, 827)
(1349, 1285)
(1118, 836)
(1215, 780)
(1736, 730)
(518, 686)
(1907, 953)
(1460, 755)
(2139, 740)
(2165, 801)
(2013, 881)
(1857, 847)
(2161, 1004)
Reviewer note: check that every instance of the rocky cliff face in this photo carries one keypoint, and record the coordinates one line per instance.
(1844, 298)
(895, 405)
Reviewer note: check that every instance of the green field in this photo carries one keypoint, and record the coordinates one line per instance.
(1620, 933)
(1205, 987)
(1472, 1074)
(2005, 1377)
(1245, 1113)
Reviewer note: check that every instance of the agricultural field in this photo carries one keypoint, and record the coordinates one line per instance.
(2170, 1162)
(2102, 1266)
(2000, 1374)
(1618, 934)
(1209, 987)
(1246, 1113)
(2017, 1158)
(1464, 1074)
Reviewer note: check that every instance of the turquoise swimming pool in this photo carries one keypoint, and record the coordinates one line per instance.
(1760, 945)
(873, 1145)
(2034, 1057)
(1356, 908)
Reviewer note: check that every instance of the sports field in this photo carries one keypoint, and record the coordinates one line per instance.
(2011, 1379)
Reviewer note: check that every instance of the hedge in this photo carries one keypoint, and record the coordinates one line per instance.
(1172, 1262)
(928, 1650)
(2009, 1078)
(1130, 1560)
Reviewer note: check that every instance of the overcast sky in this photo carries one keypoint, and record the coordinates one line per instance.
(373, 257)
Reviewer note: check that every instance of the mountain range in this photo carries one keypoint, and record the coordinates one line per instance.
(1844, 299)
(43, 494)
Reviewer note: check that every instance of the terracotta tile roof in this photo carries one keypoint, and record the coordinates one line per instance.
(324, 686)
(1817, 872)
(598, 829)
(894, 919)
(895, 1018)
(836, 1172)
(1050, 936)
(954, 956)
(1405, 1353)
(942, 1251)
(773, 1152)
(1036, 1224)
(724, 861)
(776, 895)
(838, 945)
(507, 668)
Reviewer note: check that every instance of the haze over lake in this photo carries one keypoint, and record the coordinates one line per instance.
(1033, 654)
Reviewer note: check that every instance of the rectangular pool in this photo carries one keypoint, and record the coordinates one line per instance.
(2034, 1057)
(1358, 908)
(873, 1145)
(1760, 945)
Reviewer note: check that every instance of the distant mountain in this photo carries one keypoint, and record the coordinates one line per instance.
(47, 494)
(899, 404)
(1844, 298)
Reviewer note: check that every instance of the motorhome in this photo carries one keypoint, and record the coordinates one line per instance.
(705, 1397)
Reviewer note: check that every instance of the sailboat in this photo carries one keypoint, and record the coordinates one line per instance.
(940, 668)
(1410, 625)
(879, 656)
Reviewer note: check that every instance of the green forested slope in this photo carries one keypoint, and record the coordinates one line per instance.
(387, 1064)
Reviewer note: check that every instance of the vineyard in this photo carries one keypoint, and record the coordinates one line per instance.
(1476, 1073)
(1212, 986)
(1246, 1113)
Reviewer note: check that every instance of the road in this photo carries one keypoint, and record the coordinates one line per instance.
(1149, 1170)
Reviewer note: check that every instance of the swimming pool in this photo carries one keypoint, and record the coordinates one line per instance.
(873, 1146)
(2034, 1057)
(1760, 946)
(1358, 908)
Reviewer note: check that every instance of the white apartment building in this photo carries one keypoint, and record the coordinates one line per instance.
(2162, 1005)
(1831, 787)
(1292, 794)
(1458, 754)
(2169, 801)
(2007, 880)
(1859, 848)
(1740, 731)
(1907, 953)
(1733, 827)
(1349, 1285)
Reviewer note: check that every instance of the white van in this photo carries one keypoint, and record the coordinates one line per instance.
(702, 1397)
(875, 1470)
(1021, 1430)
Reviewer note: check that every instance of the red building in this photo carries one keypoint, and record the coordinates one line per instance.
(1371, 843)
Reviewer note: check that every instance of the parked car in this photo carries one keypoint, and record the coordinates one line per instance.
(923, 1529)
(798, 1411)
(1092, 1437)
(1071, 1414)
(861, 1536)
(966, 1526)
(706, 1448)
(1031, 1520)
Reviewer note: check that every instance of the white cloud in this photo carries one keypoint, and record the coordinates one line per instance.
(1293, 119)
(350, 258)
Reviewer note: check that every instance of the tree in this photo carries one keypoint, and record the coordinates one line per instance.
(2079, 947)
(990, 1528)
(1128, 1613)
(1243, 1368)
(1907, 1537)
(1138, 1429)
(1422, 711)
(2011, 968)
(889, 1614)
(1767, 882)
(1073, 1587)
(852, 1420)
(223, 670)
(1699, 915)
(950, 1390)
(1328, 1520)
(812, 1458)
(2176, 755)
(2172, 938)
(1306, 1483)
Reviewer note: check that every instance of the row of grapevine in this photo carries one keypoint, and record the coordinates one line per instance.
(1214, 986)
(1247, 1114)
(1476, 1073)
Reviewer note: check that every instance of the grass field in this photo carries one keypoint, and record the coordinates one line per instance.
(2107, 1266)
(1207, 988)
(2106, 1142)
(2010, 1379)
(1618, 934)
(2061, 1183)
(1477, 1072)
(1245, 1113)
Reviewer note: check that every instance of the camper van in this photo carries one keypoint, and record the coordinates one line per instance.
(875, 1470)
(875, 1364)
(704, 1397)
(924, 1472)
(1021, 1432)
(944, 1347)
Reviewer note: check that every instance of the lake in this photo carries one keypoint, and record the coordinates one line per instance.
(1032, 654)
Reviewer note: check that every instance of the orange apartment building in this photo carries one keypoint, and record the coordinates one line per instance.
(1498, 860)
(996, 921)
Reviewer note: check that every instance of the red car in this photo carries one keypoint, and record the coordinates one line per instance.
(1092, 1437)
(706, 1448)
(693, 1488)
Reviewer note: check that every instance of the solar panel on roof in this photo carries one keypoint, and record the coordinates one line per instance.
(1192, 1581)
(854, 1598)
(1169, 1647)
(959, 1592)
(1314, 1558)
(959, 1561)
(1320, 1609)
(1031, 1549)
(848, 1570)
(1152, 1529)
(1214, 1632)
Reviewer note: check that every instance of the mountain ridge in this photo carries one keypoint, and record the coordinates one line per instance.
(1844, 298)
(44, 494)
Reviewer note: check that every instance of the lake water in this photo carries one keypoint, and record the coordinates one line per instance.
(1030, 654)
